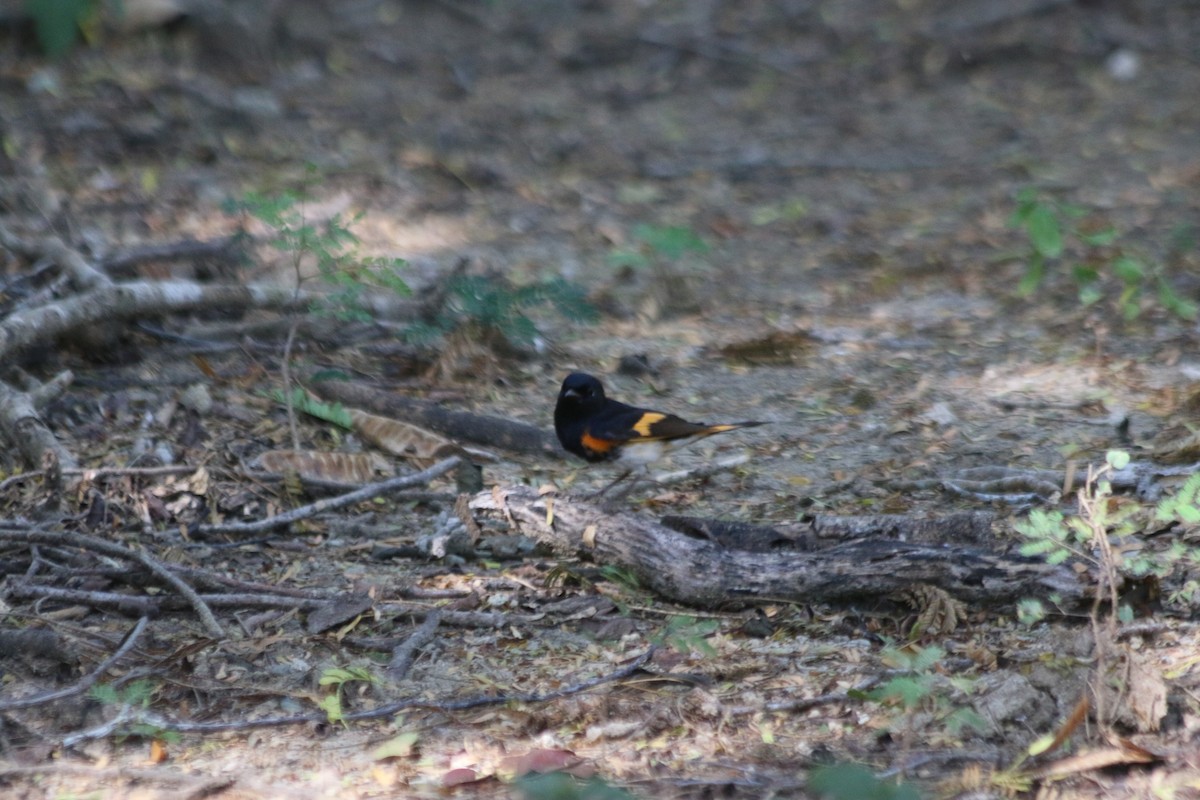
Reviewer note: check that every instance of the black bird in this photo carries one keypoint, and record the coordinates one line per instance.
(597, 428)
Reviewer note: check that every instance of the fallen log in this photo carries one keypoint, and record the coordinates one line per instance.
(700, 572)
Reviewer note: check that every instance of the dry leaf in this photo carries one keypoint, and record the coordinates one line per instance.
(337, 611)
(1095, 759)
(459, 776)
(158, 751)
(350, 468)
(1146, 695)
(939, 612)
(1077, 718)
(401, 438)
(196, 483)
(541, 760)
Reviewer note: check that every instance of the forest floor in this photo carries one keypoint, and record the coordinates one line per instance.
(794, 212)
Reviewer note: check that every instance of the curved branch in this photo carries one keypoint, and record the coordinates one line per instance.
(332, 503)
(85, 683)
(67, 539)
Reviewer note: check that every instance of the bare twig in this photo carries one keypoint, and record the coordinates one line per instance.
(706, 470)
(405, 653)
(98, 472)
(285, 368)
(188, 787)
(85, 683)
(805, 703)
(70, 539)
(153, 606)
(380, 712)
(304, 512)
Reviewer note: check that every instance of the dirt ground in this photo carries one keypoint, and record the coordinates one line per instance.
(850, 169)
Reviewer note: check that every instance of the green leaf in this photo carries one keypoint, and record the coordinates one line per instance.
(104, 693)
(1117, 459)
(1085, 274)
(963, 718)
(1045, 234)
(1188, 514)
(399, 746)
(627, 258)
(909, 691)
(1129, 270)
(335, 676)
(1128, 301)
(57, 22)
(1026, 202)
(1090, 295)
(670, 242)
(561, 786)
(1030, 611)
(1178, 305)
(1034, 272)
(856, 782)
(1040, 745)
(1099, 238)
(926, 657)
(332, 706)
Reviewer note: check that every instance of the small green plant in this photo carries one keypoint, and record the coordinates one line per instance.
(1183, 507)
(302, 401)
(338, 677)
(1087, 535)
(561, 786)
(59, 22)
(657, 243)
(856, 782)
(671, 257)
(685, 634)
(1055, 230)
(489, 308)
(622, 576)
(332, 247)
(1093, 534)
(130, 698)
(919, 688)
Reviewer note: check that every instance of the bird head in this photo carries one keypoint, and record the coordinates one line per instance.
(581, 389)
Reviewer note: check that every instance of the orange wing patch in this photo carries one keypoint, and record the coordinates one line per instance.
(642, 426)
(597, 446)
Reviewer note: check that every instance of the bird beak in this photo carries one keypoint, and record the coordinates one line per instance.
(571, 393)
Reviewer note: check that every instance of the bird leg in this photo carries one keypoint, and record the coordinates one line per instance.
(620, 478)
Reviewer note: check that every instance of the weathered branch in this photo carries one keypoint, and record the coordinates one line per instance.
(21, 425)
(127, 300)
(405, 653)
(701, 573)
